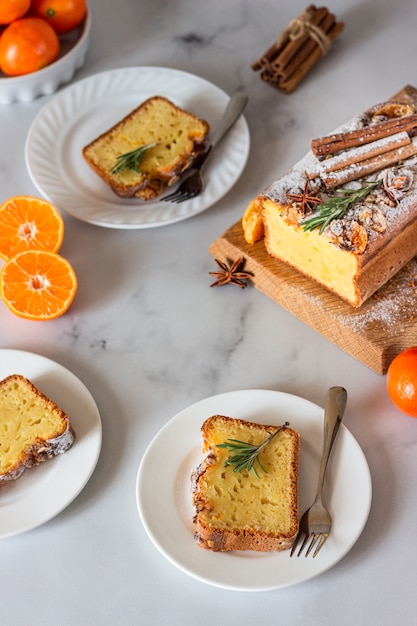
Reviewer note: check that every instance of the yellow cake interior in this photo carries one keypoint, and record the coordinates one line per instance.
(323, 261)
(25, 418)
(174, 131)
(237, 500)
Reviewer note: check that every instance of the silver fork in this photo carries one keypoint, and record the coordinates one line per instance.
(316, 523)
(192, 183)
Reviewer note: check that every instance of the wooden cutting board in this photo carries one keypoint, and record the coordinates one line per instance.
(374, 333)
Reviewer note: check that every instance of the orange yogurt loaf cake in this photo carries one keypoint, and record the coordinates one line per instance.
(244, 510)
(32, 427)
(148, 149)
(346, 214)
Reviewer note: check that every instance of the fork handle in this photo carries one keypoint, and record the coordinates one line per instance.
(233, 110)
(335, 406)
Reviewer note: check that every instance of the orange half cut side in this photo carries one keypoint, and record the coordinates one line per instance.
(38, 284)
(29, 223)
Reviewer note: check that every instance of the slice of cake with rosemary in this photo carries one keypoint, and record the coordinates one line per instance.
(245, 491)
(148, 149)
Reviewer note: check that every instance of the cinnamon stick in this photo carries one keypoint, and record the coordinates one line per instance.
(304, 50)
(270, 78)
(268, 56)
(305, 39)
(342, 141)
(279, 45)
(370, 166)
(316, 16)
(293, 81)
(362, 153)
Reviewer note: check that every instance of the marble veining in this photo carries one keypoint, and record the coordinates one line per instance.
(149, 337)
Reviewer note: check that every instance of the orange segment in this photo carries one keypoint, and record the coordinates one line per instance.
(38, 284)
(28, 223)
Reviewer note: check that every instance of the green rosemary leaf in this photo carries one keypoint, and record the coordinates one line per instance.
(131, 160)
(336, 207)
(246, 455)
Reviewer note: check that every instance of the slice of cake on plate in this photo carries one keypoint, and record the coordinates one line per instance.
(239, 508)
(148, 149)
(32, 427)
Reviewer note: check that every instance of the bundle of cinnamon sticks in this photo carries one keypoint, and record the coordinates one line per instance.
(348, 156)
(303, 42)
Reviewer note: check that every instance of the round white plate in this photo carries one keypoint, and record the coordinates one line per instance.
(45, 490)
(83, 111)
(164, 496)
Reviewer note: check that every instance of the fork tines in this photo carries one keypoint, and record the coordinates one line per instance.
(178, 196)
(316, 539)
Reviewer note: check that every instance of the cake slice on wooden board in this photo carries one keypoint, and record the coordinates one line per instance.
(346, 214)
(246, 510)
(32, 427)
(148, 149)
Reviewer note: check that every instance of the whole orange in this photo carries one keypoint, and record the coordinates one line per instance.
(402, 381)
(11, 10)
(27, 45)
(62, 15)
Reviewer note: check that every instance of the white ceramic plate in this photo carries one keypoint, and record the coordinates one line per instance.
(164, 499)
(88, 108)
(44, 491)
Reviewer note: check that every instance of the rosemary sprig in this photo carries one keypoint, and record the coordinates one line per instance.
(131, 160)
(246, 455)
(336, 207)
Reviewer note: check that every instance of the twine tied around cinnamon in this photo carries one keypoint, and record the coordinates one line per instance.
(303, 25)
(306, 38)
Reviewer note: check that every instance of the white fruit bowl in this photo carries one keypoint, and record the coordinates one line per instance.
(74, 47)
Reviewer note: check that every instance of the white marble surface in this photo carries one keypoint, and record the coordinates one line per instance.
(148, 336)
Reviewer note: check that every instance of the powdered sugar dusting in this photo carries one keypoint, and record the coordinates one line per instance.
(295, 178)
(389, 308)
(361, 153)
(391, 210)
(389, 312)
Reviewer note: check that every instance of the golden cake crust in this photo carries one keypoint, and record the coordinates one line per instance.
(213, 529)
(179, 137)
(32, 427)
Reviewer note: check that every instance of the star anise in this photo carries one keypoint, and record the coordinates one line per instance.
(230, 274)
(395, 186)
(306, 201)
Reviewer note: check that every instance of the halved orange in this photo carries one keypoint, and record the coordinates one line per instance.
(29, 223)
(38, 284)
